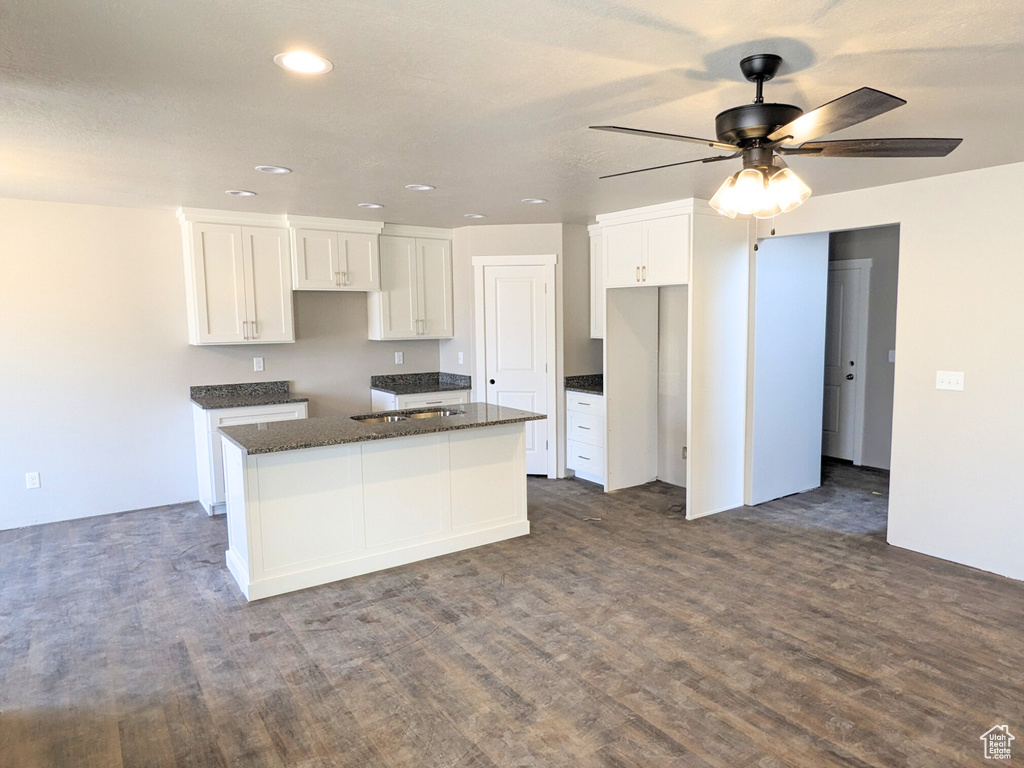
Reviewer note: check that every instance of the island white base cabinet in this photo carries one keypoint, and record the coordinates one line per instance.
(301, 518)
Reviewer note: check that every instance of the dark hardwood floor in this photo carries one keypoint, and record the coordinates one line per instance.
(786, 635)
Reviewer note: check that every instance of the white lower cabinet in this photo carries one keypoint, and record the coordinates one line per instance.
(386, 401)
(209, 455)
(585, 435)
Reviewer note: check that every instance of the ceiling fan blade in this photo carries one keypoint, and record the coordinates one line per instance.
(672, 136)
(672, 165)
(875, 148)
(853, 108)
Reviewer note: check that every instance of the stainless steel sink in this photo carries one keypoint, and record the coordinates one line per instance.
(436, 414)
(374, 419)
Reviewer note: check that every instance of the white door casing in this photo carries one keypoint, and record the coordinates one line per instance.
(516, 350)
(846, 331)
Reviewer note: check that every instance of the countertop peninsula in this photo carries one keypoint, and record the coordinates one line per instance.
(419, 383)
(272, 437)
(213, 396)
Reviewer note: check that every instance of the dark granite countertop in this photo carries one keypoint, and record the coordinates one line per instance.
(274, 436)
(211, 396)
(417, 383)
(592, 384)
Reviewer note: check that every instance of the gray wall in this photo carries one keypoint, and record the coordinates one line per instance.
(96, 361)
(882, 246)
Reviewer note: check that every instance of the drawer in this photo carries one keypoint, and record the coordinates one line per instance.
(432, 398)
(584, 403)
(229, 417)
(586, 428)
(581, 457)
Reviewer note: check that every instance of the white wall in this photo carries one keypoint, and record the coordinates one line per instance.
(882, 246)
(97, 366)
(790, 285)
(956, 456)
(673, 319)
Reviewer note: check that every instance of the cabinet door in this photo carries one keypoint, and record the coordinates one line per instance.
(666, 244)
(268, 284)
(399, 308)
(217, 267)
(434, 269)
(359, 262)
(623, 246)
(316, 263)
(597, 297)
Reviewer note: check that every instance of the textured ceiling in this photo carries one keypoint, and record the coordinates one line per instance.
(146, 103)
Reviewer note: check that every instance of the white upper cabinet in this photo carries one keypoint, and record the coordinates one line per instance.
(415, 299)
(335, 254)
(652, 251)
(597, 296)
(238, 278)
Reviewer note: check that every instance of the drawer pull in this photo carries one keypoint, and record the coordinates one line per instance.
(580, 402)
(585, 458)
(434, 402)
(582, 427)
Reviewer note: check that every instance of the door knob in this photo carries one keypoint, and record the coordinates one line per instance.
(849, 377)
(492, 381)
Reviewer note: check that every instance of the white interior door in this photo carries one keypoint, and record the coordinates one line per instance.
(516, 338)
(844, 365)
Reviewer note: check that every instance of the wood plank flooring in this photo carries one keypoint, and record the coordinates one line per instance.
(786, 635)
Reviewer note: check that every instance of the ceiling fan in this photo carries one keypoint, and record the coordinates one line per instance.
(760, 132)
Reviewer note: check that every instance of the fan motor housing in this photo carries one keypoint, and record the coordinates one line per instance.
(742, 125)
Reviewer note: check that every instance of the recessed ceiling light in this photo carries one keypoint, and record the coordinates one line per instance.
(419, 187)
(273, 169)
(473, 216)
(303, 62)
(369, 205)
(239, 193)
(533, 200)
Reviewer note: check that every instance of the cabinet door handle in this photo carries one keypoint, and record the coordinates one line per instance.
(253, 332)
(344, 278)
(337, 278)
(638, 274)
(245, 329)
(644, 272)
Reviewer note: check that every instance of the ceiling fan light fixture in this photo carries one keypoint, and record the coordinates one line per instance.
(788, 190)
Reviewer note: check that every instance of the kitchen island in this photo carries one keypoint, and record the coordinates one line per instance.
(317, 500)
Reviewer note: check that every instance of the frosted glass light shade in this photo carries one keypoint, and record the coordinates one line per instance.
(721, 201)
(788, 190)
(750, 191)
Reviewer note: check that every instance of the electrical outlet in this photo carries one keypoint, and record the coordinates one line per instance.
(399, 358)
(31, 479)
(460, 358)
(951, 380)
(257, 363)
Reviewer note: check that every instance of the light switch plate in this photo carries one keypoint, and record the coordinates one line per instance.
(257, 363)
(951, 380)
(460, 358)
(892, 355)
(399, 358)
